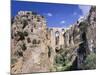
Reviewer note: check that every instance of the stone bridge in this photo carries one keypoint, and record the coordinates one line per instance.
(57, 36)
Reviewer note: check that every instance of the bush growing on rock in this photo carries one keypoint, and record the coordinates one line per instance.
(83, 26)
(21, 35)
(25, 33)
(90, 62)
(62, 61)
(23, 47)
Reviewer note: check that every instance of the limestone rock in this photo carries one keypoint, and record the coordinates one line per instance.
(34, 46)
(30, 43)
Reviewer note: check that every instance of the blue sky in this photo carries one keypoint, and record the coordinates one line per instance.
(57, 15)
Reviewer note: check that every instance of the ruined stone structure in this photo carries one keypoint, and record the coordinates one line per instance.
(29, 43)
(57, 35)
(34, 46)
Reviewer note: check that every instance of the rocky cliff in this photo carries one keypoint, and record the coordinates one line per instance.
(29, 43)
(32, 44)
(80, 39)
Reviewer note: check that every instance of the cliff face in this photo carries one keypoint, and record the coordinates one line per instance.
(29, 43)
(91, 30)
(82, 34)
(82, 30)
(36, 48)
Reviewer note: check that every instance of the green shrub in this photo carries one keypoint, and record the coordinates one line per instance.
(13, 60)
(21, 35)
(83, 26)
(24, 23)
(23, 47)
(25, 33)
(62, 62)
(90, 62)
(59, 59)
(34, 41)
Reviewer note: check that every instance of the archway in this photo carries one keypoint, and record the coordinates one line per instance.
(57, 37)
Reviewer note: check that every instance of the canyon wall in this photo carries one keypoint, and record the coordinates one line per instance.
(29, 43)
(35, 47)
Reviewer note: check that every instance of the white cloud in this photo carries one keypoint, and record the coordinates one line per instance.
(62, 22)
(84, 9)
(49, 14)
(75, 13)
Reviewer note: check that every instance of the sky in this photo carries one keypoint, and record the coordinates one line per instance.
(57, 15)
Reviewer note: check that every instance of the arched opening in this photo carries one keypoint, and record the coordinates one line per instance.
(28, 40)
(38, 41)
(31, 30)
(34, 41)
(57, 50)
(57, 37)
(63, 31)
(51, 30)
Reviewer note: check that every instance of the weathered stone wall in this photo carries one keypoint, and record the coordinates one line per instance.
(54, 32)
(83, 34)
(29, 43)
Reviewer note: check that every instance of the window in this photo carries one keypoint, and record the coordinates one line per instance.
(63, 31)
(38, 42)
(34, 25)
(28, 40)
(31, 30)
(57, 37)
(38, 19)
(34, 41)
(51, 29)
(28, 13)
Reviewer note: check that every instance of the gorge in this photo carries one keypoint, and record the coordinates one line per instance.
(38, 48)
